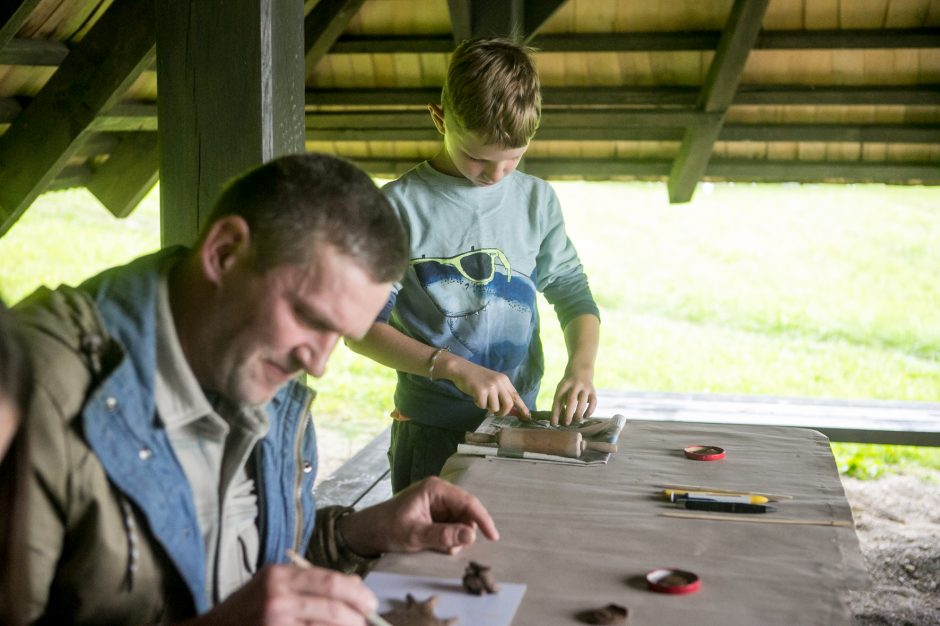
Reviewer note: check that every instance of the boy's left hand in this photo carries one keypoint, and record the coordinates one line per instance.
(575, 398)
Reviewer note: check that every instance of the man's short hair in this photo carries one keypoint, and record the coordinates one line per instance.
(295, 202)
(492, 89)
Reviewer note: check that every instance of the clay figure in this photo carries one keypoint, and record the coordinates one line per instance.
(415, 613)
(478, 579)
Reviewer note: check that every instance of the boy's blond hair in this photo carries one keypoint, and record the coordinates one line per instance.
(492, 89)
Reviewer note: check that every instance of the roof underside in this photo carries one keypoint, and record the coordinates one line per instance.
(804, 90)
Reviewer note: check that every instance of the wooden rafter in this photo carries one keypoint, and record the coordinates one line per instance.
(718, 91)
(323, 26)
(37, 52)
(537, 12)
(90, 80)
(129, 173)
(518, 19)
(13, 14)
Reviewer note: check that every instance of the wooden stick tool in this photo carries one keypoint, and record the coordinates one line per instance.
(374, 619)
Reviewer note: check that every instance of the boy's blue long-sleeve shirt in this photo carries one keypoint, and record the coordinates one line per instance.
(478, 257)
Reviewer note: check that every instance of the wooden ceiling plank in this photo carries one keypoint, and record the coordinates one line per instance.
(724, 74)
(13, 14)
(90, 80)
(323, 26)
(130, 172)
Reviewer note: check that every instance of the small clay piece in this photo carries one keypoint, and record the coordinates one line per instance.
(478, 579)
(610, 614)
(415, 613)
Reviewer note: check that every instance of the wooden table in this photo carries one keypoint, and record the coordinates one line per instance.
(581, 537)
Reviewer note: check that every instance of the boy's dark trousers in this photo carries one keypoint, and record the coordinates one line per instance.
(418, 451)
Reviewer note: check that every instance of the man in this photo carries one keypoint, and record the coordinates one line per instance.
(172, 450)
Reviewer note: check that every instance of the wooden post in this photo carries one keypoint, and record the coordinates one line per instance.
(231, 98)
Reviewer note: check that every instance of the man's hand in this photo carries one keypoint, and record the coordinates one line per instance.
(431, 514)
(490, 390)
(288, 595)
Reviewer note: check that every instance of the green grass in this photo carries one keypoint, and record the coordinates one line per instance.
(815, 291)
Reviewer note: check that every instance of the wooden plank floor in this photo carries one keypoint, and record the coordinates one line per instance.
(364, 479)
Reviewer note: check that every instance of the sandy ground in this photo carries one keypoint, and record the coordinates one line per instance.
(898, 523)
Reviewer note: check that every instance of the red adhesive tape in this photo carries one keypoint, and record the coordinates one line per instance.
(674, 581)
(704, 453)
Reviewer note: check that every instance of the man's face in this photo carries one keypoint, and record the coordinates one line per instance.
(274, 325)
(464, 154)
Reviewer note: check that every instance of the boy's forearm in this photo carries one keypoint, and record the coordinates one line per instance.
(392, 348)
(582, 338)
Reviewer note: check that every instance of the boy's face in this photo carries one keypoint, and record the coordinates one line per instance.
(464, 154)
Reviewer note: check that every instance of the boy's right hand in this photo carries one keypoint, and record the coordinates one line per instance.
(490, 390)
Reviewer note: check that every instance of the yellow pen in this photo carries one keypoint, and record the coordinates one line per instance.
(747, 498)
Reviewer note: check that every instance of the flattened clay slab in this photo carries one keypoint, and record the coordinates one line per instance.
(610, 614)
(414, 613)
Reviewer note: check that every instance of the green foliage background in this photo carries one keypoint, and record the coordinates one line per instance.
(813, 290)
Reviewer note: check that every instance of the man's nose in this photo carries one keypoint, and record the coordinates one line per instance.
(314, 354)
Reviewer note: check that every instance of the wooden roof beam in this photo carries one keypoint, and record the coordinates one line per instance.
(13, 14)
(721, 83)
(323, 26)
(829, 133)
(132, 169)
(734, 169)
(678, 95)
(516, 19)
(865, 39)
(90, 80)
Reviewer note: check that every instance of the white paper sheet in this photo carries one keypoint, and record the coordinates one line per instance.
(453, 601)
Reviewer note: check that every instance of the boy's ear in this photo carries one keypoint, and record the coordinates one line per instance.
(437, 116)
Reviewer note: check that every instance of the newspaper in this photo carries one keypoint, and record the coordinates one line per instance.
(601, 429)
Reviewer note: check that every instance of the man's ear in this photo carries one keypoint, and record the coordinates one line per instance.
(227, 240)
(437, 116)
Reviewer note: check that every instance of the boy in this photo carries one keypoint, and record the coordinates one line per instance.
(462, 327)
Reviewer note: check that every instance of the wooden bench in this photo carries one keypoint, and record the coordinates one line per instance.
(364, 479)
(857, 421)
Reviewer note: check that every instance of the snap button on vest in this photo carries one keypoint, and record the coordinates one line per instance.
(110, 403)
(144, 454)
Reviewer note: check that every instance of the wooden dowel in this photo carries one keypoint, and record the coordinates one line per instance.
(374, 619)
(758, 520)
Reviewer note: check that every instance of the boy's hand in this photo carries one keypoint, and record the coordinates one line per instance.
(575, 398)
(490, 390)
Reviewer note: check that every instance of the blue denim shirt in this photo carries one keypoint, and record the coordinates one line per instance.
(120, 425)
